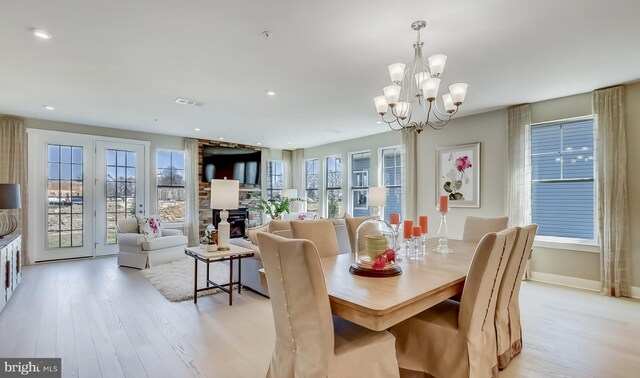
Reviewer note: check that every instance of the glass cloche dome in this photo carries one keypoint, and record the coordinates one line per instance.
(375, 250)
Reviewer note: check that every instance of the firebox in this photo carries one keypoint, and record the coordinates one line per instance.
(237, 220)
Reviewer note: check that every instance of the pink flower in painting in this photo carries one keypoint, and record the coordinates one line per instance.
(463, 163)
(380, 263)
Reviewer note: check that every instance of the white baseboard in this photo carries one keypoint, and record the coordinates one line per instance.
(578, 283)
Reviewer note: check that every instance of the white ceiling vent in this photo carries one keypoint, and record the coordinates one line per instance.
(186, 101)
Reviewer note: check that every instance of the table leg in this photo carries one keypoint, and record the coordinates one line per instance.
(231, 281)
(239, 274)
(195, 282)
(207, 274)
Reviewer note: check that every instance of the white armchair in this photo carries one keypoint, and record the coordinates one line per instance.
(136, 251)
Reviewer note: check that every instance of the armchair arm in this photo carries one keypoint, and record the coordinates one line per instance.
(131, 239)
(171, 232)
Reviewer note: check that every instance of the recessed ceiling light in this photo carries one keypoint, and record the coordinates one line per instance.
(271, 93)
(42, 34)
(259, 143)
(221, 138)
(196, 129)
(49, 107)
(378, 122)
(288, 142)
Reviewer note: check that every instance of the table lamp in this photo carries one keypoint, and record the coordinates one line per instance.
(295, 205)
(9, 199)
(224, 196)
(377, 199)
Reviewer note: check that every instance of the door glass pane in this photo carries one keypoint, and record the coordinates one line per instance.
(120, 189)
(64, 196)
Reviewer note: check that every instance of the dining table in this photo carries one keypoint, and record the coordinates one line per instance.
(379, 303)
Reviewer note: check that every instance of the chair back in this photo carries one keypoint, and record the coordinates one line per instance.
(480, 291)
(301, 310)
(476, 227)
(127, 226)
(510, 286)
(352, 226)
(320, 232)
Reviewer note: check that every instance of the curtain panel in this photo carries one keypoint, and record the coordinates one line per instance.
(611, 191)
(518, 173)
(410, 147)
(13, 170)
(192, 217)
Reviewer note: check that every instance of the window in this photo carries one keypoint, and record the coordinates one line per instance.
(562, 175)
(170, 184)
(65, 196)
(391, 159)
(360, 172)
(312, 184)
(274, 179)
(334, 186)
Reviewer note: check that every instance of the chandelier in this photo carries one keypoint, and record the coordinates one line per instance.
(417, 88)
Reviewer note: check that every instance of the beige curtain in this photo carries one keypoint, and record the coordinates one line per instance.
(518, 173)
(410, 147)
(297, 171)
(287, 161)
(192, 218)
(13, 169)
(611, 189)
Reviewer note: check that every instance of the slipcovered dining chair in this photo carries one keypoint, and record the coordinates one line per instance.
(476, 227)
(507, 320)
(457, 339)
(309, 341)
(320, 232)
(352, 226)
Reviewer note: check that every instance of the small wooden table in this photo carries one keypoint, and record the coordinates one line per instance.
(379, 303)
(200, 254)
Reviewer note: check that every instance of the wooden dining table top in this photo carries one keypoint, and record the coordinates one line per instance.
(379, 303)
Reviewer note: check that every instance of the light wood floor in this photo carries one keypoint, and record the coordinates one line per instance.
(110, 322)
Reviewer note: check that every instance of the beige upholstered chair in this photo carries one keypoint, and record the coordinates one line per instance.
(136, 251)
(507, 321)
(352, 227)
(457, 339)
(320, 232)
(309, 342)
(476, 227)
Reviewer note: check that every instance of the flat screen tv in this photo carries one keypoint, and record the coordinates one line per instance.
(233, 163)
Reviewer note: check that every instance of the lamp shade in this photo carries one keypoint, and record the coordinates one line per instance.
(290, 193)
(436, 64)
(381, 104)
(396, 72)
(458, 92)
(377, 196)
(10, 196)
(224, 194)
(392, 94)
(448, 103)
(430, 88)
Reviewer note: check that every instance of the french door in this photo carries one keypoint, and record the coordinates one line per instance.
(79, 186)
(120, 191)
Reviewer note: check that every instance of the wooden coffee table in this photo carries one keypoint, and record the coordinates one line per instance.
(234, 254)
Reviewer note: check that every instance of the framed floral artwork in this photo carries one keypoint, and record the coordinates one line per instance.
(458, 174)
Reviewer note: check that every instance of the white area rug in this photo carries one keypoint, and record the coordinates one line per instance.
(175, 280)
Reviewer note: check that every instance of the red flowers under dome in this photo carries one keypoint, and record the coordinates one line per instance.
(388, 256)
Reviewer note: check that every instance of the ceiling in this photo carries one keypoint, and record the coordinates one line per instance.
(122, 64)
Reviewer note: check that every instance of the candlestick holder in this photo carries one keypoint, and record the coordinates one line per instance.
(418, 247)
(396, 243)
(409, 248)
(424, 245)
(443, 234)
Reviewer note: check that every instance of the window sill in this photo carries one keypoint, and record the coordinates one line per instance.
(567, 244)
(173, 225)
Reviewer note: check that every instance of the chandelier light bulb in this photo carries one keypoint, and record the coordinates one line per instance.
(436, 64)
(392, 94)
(448, 103)
(396, 72)
(381, 104)
(458, 92)
(403, 109)
(430, 88)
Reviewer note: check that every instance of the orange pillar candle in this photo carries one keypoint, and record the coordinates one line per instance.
(408, 228)
(444, 204)
(394, 218)
(424, 223)
(417, 231)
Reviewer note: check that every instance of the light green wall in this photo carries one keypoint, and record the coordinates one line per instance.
(157, 142)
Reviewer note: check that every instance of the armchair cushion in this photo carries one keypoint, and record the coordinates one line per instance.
(164, 242)
(128, 226)
(252, 233)
(131, 239)
(171, 232)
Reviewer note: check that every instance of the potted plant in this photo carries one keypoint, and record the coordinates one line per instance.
(211, 238)
(274, 207)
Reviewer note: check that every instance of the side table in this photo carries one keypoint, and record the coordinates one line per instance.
(234, 254)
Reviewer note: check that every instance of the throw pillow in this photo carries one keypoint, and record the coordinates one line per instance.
(252, 233)
(150, 226)
(299, 216)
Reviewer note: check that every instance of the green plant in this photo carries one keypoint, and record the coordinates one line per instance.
(274, 207)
